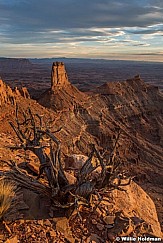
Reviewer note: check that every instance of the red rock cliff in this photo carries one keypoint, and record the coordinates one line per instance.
(9, 96)
(6, 94)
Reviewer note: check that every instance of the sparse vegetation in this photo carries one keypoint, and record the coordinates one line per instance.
(85, 199)
(7, 194)
(34, 136)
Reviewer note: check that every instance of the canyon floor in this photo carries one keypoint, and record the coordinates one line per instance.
(85, 74)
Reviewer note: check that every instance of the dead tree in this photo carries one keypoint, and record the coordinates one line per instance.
(32, 134)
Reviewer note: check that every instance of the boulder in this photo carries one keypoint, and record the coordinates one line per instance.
(74, 161)
(134, 201)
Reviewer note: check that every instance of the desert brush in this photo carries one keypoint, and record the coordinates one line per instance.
(7, 193)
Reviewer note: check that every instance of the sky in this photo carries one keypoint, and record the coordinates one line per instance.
(109, 29)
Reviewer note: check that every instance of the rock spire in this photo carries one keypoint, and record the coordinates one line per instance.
(59, 76)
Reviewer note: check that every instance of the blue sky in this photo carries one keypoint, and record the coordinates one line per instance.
(119, 29)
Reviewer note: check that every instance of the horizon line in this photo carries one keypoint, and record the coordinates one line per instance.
(84, 58)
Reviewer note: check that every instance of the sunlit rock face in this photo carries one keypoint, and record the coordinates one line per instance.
(6, 94)
(24, 92)
(59, 76)
(9, 96)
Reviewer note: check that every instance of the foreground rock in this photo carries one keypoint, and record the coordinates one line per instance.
(120, 213)
(135, 203)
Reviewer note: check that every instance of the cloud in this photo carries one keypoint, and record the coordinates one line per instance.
(145, 30)
(39, 25)
(32, 17)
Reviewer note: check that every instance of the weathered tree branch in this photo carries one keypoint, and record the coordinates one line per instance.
(32, 135)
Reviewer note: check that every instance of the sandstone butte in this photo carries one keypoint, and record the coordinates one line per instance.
(94, 117)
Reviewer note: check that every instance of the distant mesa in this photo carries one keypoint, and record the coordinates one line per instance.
(59, 76)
